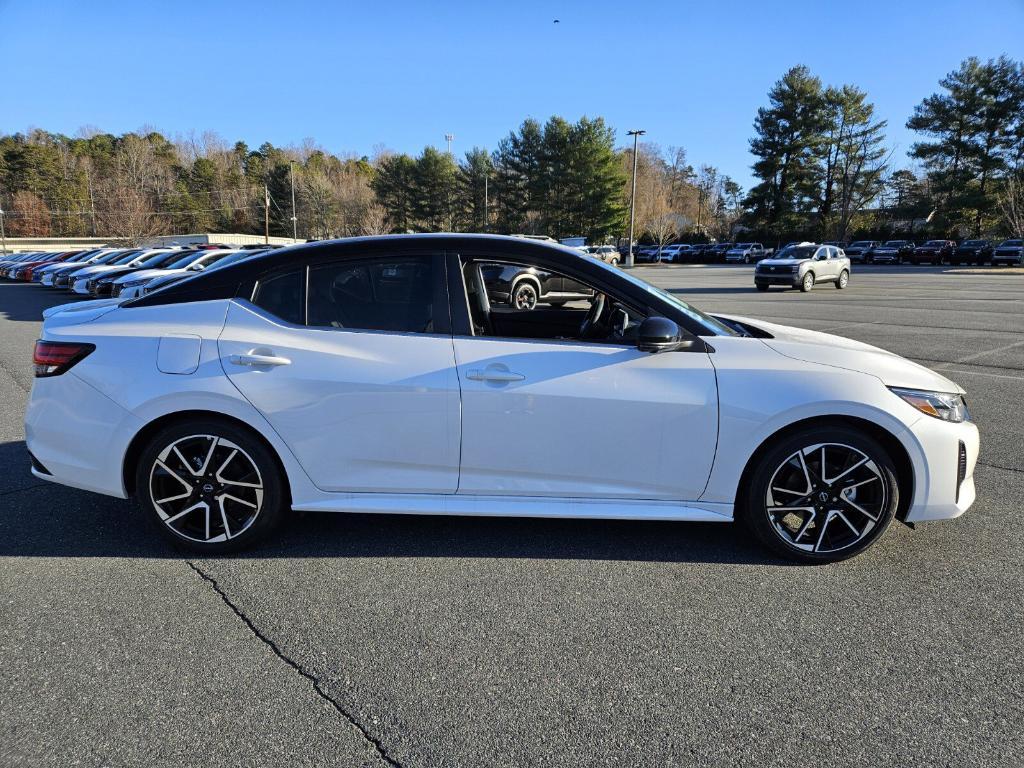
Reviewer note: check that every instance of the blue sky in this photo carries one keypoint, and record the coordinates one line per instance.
(402, 74)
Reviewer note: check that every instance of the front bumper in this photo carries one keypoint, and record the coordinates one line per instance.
(943, 487)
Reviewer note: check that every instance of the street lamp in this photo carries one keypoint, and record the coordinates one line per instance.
(3, 235)
(632, 197)
(295, 219)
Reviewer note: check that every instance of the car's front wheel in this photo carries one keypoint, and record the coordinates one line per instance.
(807, 283)
(821, 495)
(525, 296)
(210, 486)
(762, 286)
(843, 280)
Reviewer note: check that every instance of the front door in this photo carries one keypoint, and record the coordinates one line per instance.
(555, 403)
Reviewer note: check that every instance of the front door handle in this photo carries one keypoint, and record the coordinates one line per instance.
(495, 373)
(253, 359)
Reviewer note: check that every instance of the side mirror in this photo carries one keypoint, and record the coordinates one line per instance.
(659, 334)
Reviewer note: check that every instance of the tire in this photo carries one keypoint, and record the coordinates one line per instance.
(804, 514)
(807, 283)
(238, 473)
(843, 280)
(869, 260)
(746, 259)
(525, 296)
(614, 262)
(762, 286)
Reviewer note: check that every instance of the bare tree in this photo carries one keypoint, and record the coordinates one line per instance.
(28, 216)
(374, 220)
(127, 213)
(1011, 201)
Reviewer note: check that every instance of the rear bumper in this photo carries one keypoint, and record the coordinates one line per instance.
(78, 435)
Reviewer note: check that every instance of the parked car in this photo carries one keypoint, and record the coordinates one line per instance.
(129, 285)
(606, 253)
(222, 399)
(81, 257)
(647, 254)
(677, 252)
(893, 252)
(972, 252)
(61, 278)
(523, 288)
(933, 252)
(860, 251)
(1008, 252)
(747, 253)
(803, 266)
(87, 281)
(718, 251)
(175, 277)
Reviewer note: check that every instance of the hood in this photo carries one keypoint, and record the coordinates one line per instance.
(142, 274)
(840, 352)
(96, 270)
(80, 312)
(781, 262)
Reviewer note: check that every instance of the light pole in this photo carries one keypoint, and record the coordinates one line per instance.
(295, 220)
(632, 197)
(3, 234)
(486, 222)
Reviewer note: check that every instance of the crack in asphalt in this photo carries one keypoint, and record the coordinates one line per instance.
(997, 466)
(317, 687)
(23, 488)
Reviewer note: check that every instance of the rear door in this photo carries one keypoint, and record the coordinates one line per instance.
(351, 362)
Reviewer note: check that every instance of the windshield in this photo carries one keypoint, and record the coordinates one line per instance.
(860, 244)
(797, 252)
(124, 258)
(935, 242)
(894, 243)
(158, 259)
(209, 261)
(185, 260)
(714, 327)
(1013, 243)
(973, 243)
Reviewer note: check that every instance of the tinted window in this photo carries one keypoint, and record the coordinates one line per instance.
(283, 296)
(392, 294)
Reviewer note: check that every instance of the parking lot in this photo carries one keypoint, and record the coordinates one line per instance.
(357, 640)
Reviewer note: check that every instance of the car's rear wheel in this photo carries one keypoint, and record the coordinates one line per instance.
(210, 486)
(843, 280)
(807, 283)
(821, 495)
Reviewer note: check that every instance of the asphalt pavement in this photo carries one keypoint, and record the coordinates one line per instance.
(356, 640)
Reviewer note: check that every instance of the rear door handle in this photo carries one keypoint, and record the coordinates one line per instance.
(251, 359)
(495, 374)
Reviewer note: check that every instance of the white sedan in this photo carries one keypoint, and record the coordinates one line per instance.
(377, 375)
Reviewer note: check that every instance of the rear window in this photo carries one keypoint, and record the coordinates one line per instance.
(379, 295)
(283, 296)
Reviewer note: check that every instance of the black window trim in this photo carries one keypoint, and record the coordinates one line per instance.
(462, 326)
(441, 305)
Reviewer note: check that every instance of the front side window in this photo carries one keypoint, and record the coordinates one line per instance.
(387, 294)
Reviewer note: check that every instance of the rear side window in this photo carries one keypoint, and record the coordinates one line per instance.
(388, 294)
(283, 296)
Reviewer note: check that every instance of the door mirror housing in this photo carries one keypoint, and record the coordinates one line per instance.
(659, 334)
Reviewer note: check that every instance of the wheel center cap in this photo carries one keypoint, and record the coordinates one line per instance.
(208, 488)
(823, 497)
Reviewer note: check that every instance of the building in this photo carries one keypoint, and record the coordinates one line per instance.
(22, 244)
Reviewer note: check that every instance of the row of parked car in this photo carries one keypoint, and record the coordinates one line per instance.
(120, 272)
(861, 251)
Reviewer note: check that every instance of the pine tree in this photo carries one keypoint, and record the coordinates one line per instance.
(976, 132)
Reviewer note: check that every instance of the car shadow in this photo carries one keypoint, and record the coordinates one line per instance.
(41, 519)
(26, 301)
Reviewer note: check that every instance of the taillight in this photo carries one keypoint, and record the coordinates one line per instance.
(52, 358)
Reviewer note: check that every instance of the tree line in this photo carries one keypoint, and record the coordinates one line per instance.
(822, 166)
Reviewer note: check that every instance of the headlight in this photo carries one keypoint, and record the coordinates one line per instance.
(940, 405)
(795, 268)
